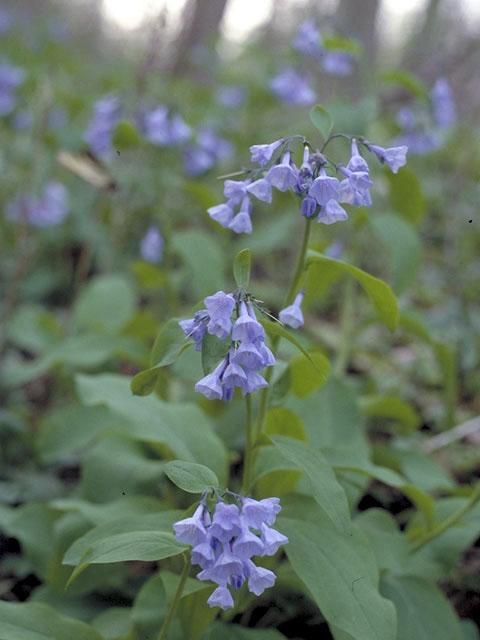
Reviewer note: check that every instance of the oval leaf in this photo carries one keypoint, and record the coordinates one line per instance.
(321, 120)
(190, 476)
(241, 268)
(169, 344)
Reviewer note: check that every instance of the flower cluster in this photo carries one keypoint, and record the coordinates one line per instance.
(292, 87)
(247, 353)
(11, 78)
(320, 194)
(334, 61)
(46, 211)
(422, 127)
(106, 114)
(223, 546)
(206, 151)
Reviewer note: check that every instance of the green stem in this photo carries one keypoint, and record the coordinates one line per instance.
(247, 467)
(176, 598)
(297, 275)
(449, 522)
(346, 330)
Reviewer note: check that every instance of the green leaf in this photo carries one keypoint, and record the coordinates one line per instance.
(283, 422)
(385, 406)
(147, 546)
(224, 631)
(321, 120)
(403, 245)
(276, 329)
(113, 623)
(125, 136)
(406, 195)
(241, 268)
(169, 344)
(213, 351)
(339, 570)
(38, 621)
(325, 488)
(422, 609)
(407, 81)
(380, 294)
(150, 607)
(390, 545)
(143, 383)
(105, 305)
(336, 42)
(195, 615)
(204, 261)
(306, 377)
(189, 476)
(133, 506)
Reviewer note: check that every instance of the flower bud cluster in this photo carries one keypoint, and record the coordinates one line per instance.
(223, 546)
(247, 354)
(321, 195)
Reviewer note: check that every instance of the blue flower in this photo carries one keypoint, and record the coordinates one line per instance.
(393, 157)
(308, 40)
(308, 207)
(262, 153)
(226, 522)
(231, 96)
(220, 307)
(211, 384)
(246, 327)
(151, 246)
(332, 212)
(292, 315)
(292, 87)
(443, 104)
(106, 114)
(257, 512)
(242, 223)
(283, 176)
(259, 578)
(221, 597)
(324, 188)
(165, 130)
(247, 544)
(337, 63)
(272, 540)
(196, 328)
(222, 213)
(191, 530)
(261, 189)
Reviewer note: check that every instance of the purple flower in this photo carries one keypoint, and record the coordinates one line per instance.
(443, 104)
(11, 78)
(282, 176)
(292, 87)
(211, 385)
(196, 327)
(222, 213)
(234, 376)
(220, 307)
(393, 157)
(247, 544)
(151, 246)
(337, 63)
(259, 578)
(235, 190)
(262, 153)
(406, 118)
(98, 135)
(272, 540)
(308, 207)
(257, 512)
(47, 211)
(164, 130)
(242, 222)
(191, 530)
(292, 315)
(254, 382)
(357, 164)
(324, 188)
(222, 598)
(247, 327)
(332, 212)
(226, 522)
(210, 141)
(248, 356)
(308, 40)
(231, 96)
(357, 197)
(261, 189)
(197, 160)
(358, 179)
(203, 555)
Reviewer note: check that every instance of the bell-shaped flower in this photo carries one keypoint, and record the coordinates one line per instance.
(242, 222)
(268, 359)
(261, 189)
(225, 565)
(272, 540)
(222, 213)
(196, 327)
(246, 327)
(191, 530)
(393, 157)
(220, 307)
(259, 578)
(282, 176)
(221, 597)
(292, 315)
(262, 153)
(332, 212)
(258, 512)
(254, 382)
(226, 522)
(324, 188)
(234, 376)
(237, 580)
(308, 207)
(358, 179)
(235, 189)
(357, 163)
(203, 555)
(211, 385)
(247, 544)
(248, 356)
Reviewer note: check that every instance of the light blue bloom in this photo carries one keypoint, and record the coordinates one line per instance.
(151, 246)
(393, 157)
(226, 522)
(191, 530)
(332, 212)
(247, 327)
(272, 540)
(282, 176)
(325, 188)
(259, 578)
(211, 385)
(222, 213)
(242, 223)
(261, 189)
(262, 153)
(292, 315)
(221, 597)
(220, 307)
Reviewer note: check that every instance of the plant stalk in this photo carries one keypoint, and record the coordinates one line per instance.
(247, 468)
(176, 598)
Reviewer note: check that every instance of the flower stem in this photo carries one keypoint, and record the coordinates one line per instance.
(176, 598)
(297, 275)
(448, 522)
(247, 467)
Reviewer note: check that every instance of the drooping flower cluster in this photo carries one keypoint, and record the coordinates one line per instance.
(423, 127)
(223, 546)
(336, 61)
(98, 135)
(247, 352)
(46, 211)
(320, 194)
(11, 78)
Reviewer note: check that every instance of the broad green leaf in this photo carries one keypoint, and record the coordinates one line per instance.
(422, 609)
(407, 81)
(113, 623)
(204, 260)
(325, 488)
(339, 570)
(37, 621)
(144, 383)
(306, 377)
(378, 291)
(131, 506)
(195, 614)
(385, 406)
(32, 328)
(276, 329)
(189, 476)
(348, 45)
(106, 304)
(283, 422)
(147, 546)
(406, 195)
(183, 428)
(403, 245)
(213, 351)
(125, 136)
(241, 268)
(224, 631)
(321, 120)
(150, 607)
(169, 344)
